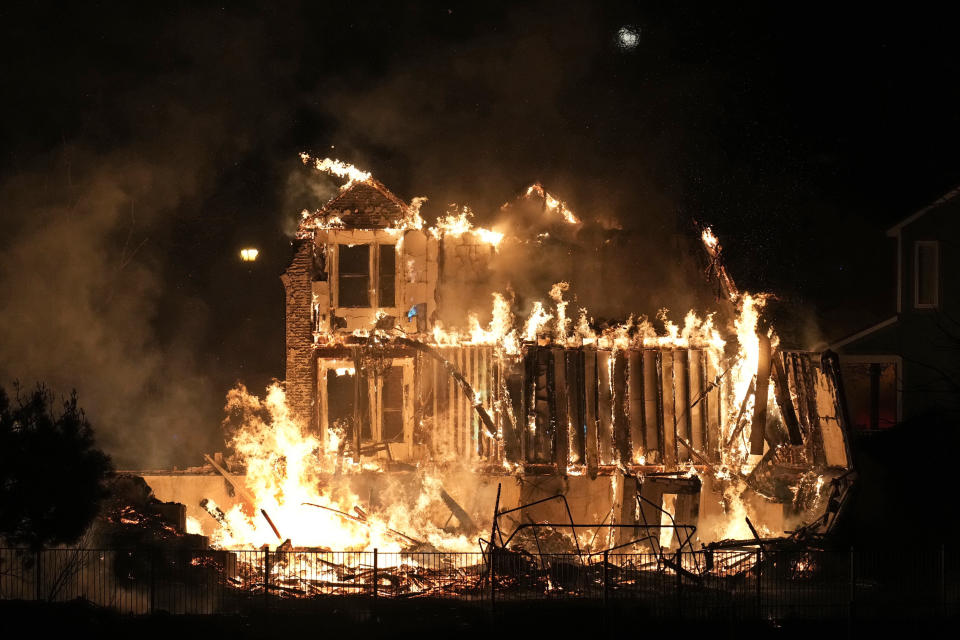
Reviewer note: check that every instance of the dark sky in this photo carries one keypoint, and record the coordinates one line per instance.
(144, 143)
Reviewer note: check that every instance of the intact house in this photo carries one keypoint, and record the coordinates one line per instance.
(905, 367)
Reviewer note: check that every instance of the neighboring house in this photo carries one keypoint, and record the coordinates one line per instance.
(905, 367)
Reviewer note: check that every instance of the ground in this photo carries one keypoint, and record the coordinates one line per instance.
(406, 618)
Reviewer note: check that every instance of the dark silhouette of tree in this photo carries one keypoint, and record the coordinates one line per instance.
(52, 475)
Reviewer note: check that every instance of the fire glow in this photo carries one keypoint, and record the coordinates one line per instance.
(298, 489)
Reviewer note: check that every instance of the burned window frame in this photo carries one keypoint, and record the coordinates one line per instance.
(382, 290)
(348, 276)
(386, 295)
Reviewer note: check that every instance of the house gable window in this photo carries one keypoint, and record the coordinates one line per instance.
(926, 274)
(387, 276)
(354, 275)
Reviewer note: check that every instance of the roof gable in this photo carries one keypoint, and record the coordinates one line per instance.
(366, 205)
(947, 197)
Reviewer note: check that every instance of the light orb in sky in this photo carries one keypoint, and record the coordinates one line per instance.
(628, 37)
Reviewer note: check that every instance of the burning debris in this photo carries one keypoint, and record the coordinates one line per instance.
(400, 422)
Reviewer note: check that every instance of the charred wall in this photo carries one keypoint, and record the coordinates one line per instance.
(300, 370)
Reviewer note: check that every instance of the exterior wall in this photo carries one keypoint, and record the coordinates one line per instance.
(300, 372)
(923, 342)
(415, 277)
(190, 488)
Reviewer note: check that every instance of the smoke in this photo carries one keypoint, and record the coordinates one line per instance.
(145, 145)
(97, 287)
(505, 109)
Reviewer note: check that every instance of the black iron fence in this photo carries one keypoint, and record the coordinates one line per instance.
(727, 584)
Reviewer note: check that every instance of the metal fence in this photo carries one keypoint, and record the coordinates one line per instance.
(727, 584)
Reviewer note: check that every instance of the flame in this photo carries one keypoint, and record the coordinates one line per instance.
(552, 203)
(458, 222)
(500, 331)
(536, 322)
(556, 292)
(710, 241)
(285, 468)
(334, 167)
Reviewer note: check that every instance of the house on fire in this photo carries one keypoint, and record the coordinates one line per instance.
(367, 364)
(628, 425)
(357, 266)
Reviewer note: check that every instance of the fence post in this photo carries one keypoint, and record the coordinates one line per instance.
(153, 571)
(606, 581)
(759, 591)
(38, 576)
(493, 577)
(943, 581)
(853, 584)
(266, 576)
(376, 581)
(679, 583)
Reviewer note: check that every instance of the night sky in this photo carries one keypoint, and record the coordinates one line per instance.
(144, 144)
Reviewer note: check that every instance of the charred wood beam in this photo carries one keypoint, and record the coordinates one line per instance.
(760, 401)
(364, 521)
(466, 523)
(513, 396)
(239, 488)
(561, 417)
(830, 363)
(217, 514)
(652, 406)
(738, 425)
(544, 437)
(635, 403)
(668, 406)
(266, 517)
(781, 391)
(717, 267)
(489, 428)
(590, 392)
(621, 427)
(575, 402)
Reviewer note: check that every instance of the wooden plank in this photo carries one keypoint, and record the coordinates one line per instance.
(543, 396)
(483, 387)
(681, 390)
(444, 443)
(759, 422)
(652, 409)
(621, 426)
(513, 429)
(528, 422)
(575, 404)
(605, 407)
(669, 417)
(475, 382)
(561, 420)
(635, 404)
(697, 413)
(591, 446)
(795, 387)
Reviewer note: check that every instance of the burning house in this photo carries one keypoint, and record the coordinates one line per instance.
(405, 422)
